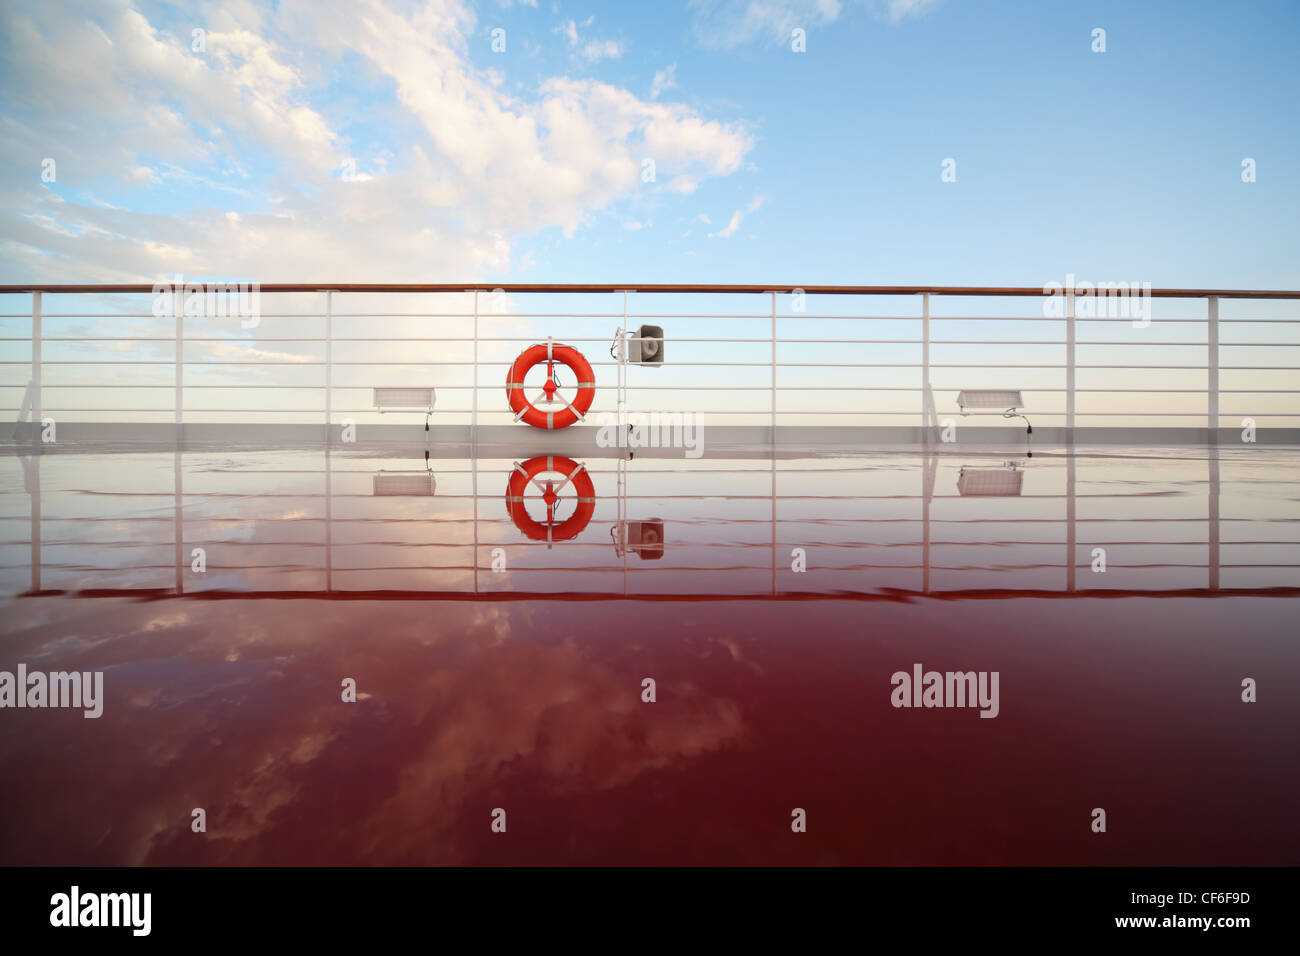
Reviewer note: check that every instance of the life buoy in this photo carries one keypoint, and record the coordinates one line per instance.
(525, 475)
(550, 353)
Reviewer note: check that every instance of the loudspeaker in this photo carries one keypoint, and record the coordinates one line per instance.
(650, 350)
(645, 538)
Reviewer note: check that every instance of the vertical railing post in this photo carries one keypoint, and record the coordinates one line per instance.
(178, 492)
(32, 479)
(36, 359)
(1212, 535)
(1071, 522)
(474, 391)
(329, 520)
(180, 375)
(622, 369)
(926, 400)
(773, 388)
(620, 512)
(772, 442)
(1212, 368)
(329, 362)
(927, 416)
(473, 443)
(329, 436)
(929, 468)
(1069, 366)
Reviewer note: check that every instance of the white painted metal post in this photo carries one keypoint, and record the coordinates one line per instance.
(178, 489)
(1069, 366)
(1212, 366)
(329, 363)
(1071, 522)
(926, 398)
(32, 478)
(773, 418)
(329, 520)
(620, 513)
(473, 443)
(180, 374)
(1213, 529)
(36, 359)
(474, 392)
(772, 443)
(622, 368)
(929, 468)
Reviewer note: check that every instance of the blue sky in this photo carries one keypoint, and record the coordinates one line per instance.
(525, 164)
(387, 140)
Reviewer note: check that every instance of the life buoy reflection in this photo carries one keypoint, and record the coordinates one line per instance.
(552, 481)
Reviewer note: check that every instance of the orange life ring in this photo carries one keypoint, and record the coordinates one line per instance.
(549, 531)
(550, 354)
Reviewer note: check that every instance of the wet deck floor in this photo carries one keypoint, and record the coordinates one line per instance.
(521, 687)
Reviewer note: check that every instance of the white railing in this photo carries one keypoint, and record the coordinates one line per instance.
(797, 371)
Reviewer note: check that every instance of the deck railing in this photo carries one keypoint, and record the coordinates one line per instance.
(781, 363)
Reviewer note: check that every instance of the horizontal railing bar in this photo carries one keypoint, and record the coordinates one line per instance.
(884, 545)
(105, 362)
(1198, 368)
(212, 495)
(1139, 414)
(123, 338)
(496, 387)
(798, 316)
(615, 568)
(759, 471)
(699, 388)
(207, 411)
(170, 520)
(241, 340)
(433, 363)
(609, 287)
(902, 413)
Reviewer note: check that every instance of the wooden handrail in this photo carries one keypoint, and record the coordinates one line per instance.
(576, 287)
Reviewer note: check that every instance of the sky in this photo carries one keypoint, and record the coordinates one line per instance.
(508, 140)
(790, 142)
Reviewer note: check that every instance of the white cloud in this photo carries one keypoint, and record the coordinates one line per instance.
(731, 23)
(730, 228)
(476, 168)
(593, 51)
(664, 79)
(898, 9)
(683, 184)
(737, 217)
(143, 175)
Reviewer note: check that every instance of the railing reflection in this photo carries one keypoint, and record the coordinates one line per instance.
(716, 536)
